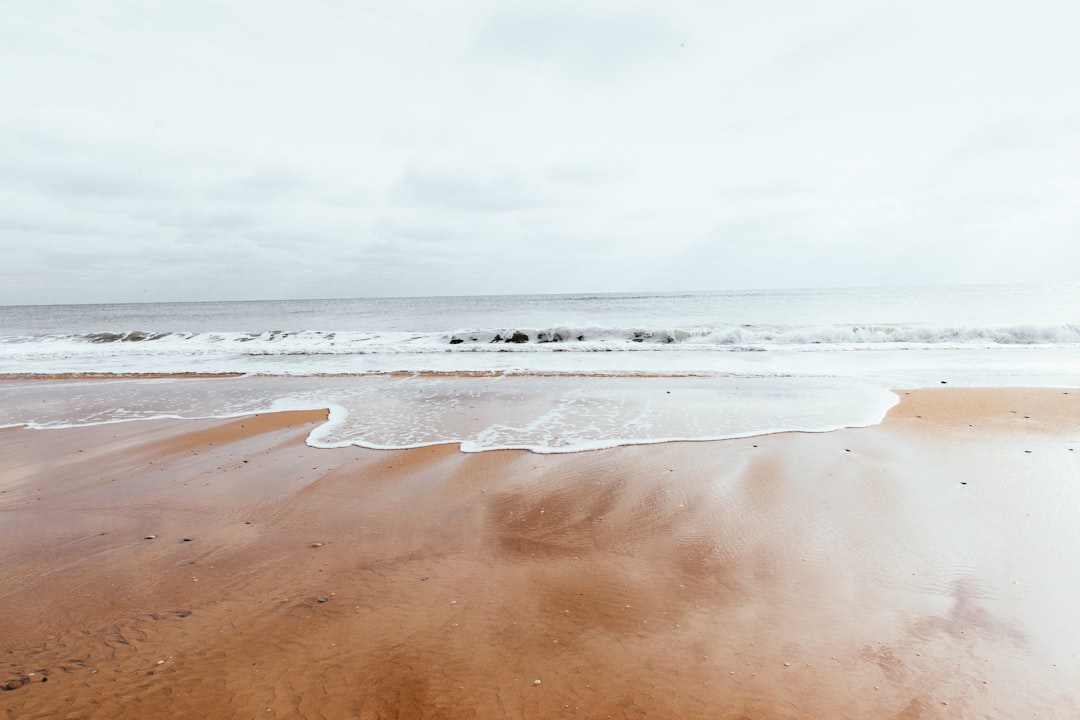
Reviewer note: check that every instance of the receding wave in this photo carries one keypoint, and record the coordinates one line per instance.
(543, 414)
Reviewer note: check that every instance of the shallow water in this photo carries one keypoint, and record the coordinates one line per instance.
(538, 413)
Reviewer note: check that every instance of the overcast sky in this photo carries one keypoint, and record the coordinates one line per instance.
(202, 150)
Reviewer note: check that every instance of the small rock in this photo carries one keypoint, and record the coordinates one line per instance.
(537, 681)
(150, 537)
(315, 545)
(322, 600)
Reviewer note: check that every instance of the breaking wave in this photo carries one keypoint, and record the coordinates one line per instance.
(582, 338)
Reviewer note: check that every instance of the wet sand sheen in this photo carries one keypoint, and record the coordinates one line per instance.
(921, 568)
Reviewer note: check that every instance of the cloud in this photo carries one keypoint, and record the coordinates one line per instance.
(466, 189)
(199, 150)
(597, 41)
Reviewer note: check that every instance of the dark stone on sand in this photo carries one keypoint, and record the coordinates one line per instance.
(183, 613)
(186, 539)
(322, 600)
(15, 684)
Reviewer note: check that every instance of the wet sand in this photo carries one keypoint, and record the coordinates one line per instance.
(922, 568)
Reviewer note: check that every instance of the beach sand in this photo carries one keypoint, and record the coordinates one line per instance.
(922, 568)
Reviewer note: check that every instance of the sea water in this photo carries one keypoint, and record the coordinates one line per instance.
(551, 373)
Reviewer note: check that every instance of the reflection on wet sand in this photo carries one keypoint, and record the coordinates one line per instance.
(917, 569)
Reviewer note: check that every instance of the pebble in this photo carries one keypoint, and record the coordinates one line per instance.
(537, 681)
(321, 600)
(150, 537)
(315, 545)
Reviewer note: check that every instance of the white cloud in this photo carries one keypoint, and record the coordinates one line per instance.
(242, 149)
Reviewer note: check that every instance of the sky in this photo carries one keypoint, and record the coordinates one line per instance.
(153, 150)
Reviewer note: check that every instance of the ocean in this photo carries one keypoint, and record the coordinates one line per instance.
(550, 373)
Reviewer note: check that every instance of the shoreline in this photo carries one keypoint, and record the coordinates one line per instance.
(881, 571)
(543, 414)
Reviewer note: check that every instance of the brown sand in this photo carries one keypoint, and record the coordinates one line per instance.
(922, 568)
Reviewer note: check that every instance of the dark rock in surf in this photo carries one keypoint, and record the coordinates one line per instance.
(518, 337)
(103, 337)
(456, 341)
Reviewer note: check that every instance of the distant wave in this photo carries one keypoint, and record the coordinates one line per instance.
(584, 337)
(563, 338)
(777, 336)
